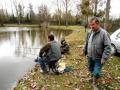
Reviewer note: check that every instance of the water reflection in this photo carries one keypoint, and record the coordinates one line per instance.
(18, 47)
(25, 41)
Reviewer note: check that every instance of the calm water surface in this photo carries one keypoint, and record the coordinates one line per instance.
(18, 48)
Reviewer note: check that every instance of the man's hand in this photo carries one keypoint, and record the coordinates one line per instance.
(36, 68)
(103, 61)
(82, 54)
(36, 60)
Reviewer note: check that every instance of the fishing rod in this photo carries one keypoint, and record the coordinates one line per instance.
(26, 50)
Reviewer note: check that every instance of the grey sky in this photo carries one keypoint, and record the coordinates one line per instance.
(115, 8)
(115, 5)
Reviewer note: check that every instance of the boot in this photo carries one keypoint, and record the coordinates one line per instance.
(94, 80)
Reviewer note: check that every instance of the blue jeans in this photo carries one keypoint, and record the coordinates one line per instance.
(42, 61)
(94, 66)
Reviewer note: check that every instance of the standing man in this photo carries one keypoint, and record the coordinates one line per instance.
(97, 48)
(49, 53)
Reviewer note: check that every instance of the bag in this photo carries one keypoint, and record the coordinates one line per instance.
(61, 66)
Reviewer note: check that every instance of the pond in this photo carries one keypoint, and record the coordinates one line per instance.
(19, 46)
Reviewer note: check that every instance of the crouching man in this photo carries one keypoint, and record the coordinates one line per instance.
(49, 53)
(64, 46)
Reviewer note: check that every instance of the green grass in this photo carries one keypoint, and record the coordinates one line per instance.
(70, 27)
(73, 27)
(111, 75)
(77, 79)
(21, 25)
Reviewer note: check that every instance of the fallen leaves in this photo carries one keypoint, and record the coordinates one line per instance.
(77, 79)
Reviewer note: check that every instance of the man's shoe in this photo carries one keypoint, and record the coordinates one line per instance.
(90, 80)
(94, 80)
(43, 72)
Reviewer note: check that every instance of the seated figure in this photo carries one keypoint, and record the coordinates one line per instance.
(64, 47)
(49, 54)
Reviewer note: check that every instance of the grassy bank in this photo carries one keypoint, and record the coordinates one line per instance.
(78, 78)
(73, 27)
(21, 25)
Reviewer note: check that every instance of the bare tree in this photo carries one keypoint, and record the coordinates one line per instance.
(20, 13)
(66, 3)
(107, 11)
(12, 6)
(16, 8)
(12, 17)
(86, 10)
(31, 13)
(59, 11)
(43, 15)
(95, 4)
(2, 15)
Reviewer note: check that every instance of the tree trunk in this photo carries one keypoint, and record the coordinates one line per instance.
(107, 11)
(95, 9)
(2, 16)
(58, 13)
(66, 13)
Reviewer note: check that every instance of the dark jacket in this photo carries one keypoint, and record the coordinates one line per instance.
(101, 44)
(64, 47)
(51, 51)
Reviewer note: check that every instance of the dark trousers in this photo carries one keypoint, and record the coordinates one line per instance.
(42, 61)
(94, 66)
